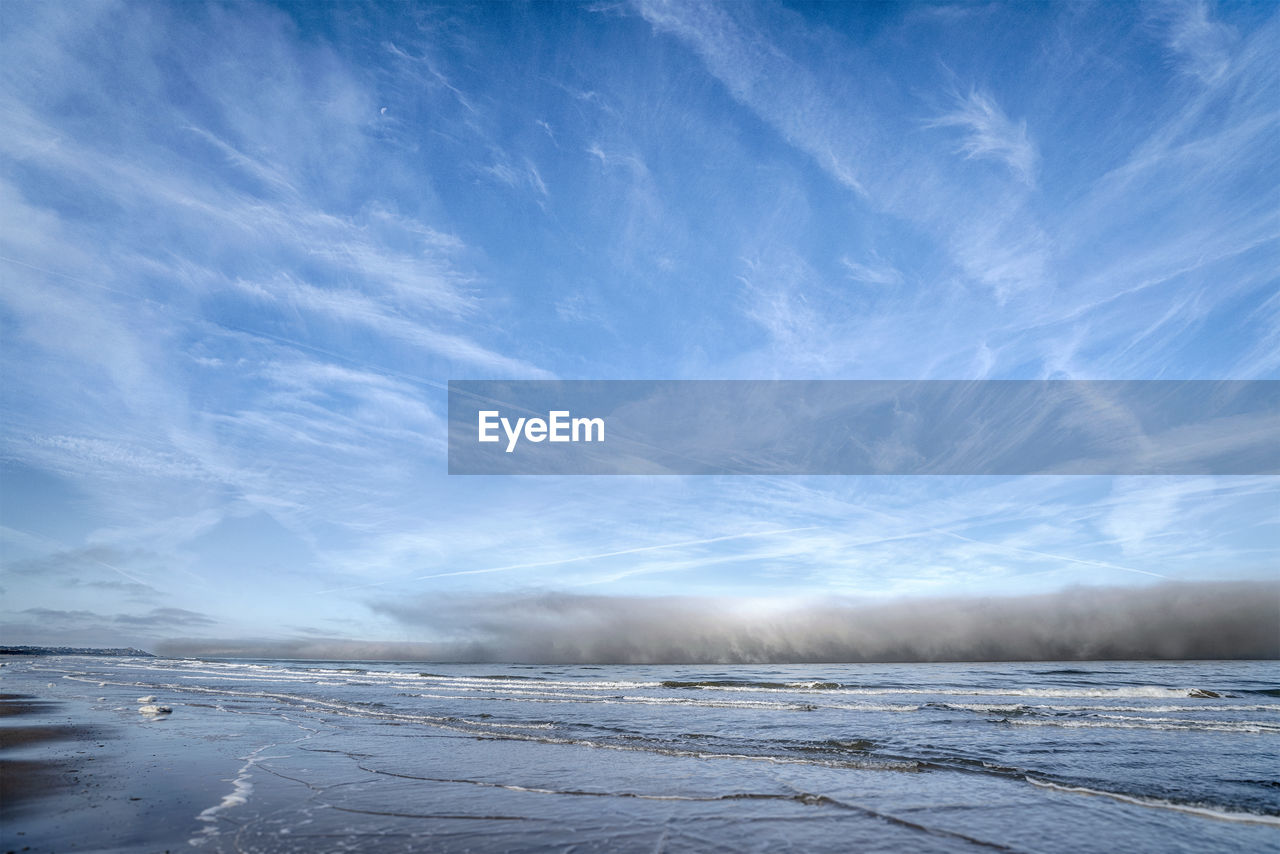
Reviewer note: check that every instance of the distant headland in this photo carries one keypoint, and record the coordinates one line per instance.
(74, 650)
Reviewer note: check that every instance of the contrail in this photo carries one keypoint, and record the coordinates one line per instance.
(942, 532)
(577, 559)
(1067, 558)
(59, 546)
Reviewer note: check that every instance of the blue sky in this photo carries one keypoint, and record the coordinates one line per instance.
(245, 246)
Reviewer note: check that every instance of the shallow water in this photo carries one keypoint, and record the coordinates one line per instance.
(280, 756)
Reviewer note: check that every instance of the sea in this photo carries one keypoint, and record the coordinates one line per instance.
(284, 756)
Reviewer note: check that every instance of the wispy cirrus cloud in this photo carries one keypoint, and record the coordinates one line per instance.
(1202, 44)
(776, 86)
(878, 272)
(241, 252)
(352, 307)
(1026, 252)
(989, 134)
(154, 318)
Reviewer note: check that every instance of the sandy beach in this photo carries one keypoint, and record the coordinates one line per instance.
(26, 781)
(89, 774)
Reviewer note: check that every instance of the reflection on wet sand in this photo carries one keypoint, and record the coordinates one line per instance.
(37, 770)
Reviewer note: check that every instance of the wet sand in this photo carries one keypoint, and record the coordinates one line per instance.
(43, 754)
(72, 778)
(33, 760)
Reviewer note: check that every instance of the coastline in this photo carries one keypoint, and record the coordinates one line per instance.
(280, 756)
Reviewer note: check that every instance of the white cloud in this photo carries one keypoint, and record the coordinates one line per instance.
(990, 134)
(879, 272)
(1203, 45)
(767, 81)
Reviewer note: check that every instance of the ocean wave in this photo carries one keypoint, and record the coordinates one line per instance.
(1254, 727)
(1221, 813)
(1065, 671)
(749, 685)
(229, 671)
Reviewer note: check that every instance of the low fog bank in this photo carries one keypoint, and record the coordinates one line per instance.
(1210, 620)
(309, 649)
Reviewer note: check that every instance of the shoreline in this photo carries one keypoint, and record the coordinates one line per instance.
(81, 774)
(282, 759)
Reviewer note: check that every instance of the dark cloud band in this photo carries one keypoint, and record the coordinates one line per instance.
(1209, 620)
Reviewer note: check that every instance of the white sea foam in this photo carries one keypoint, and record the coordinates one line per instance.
(1188, 721)
(241, 789)
(1194, 726)
(584, 688)
(499, 725)
(1159, 803)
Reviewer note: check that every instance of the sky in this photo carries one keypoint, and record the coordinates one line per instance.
(244, 247)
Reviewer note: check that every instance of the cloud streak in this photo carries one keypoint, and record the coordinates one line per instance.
(241, 253)
(592, 557)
